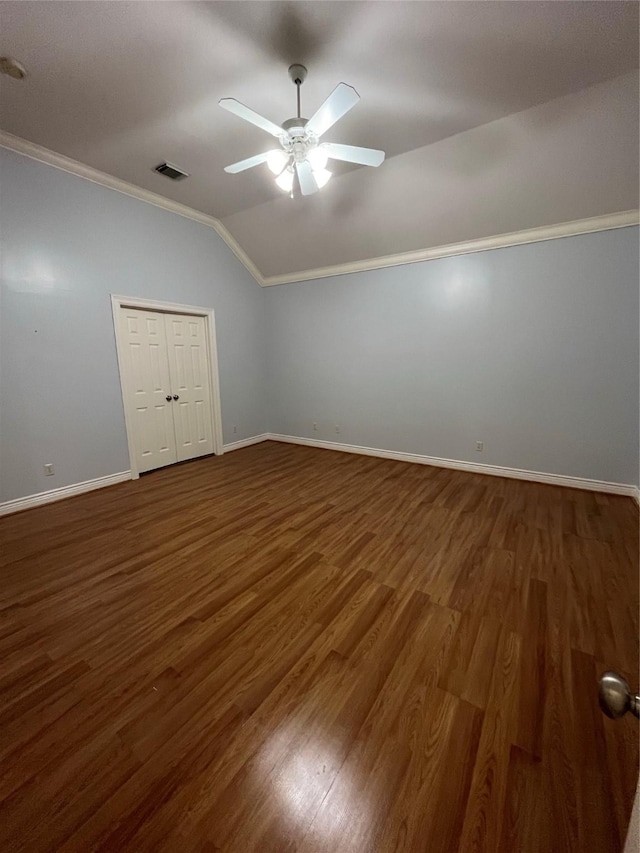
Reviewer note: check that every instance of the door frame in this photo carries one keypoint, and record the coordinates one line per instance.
(118, 302)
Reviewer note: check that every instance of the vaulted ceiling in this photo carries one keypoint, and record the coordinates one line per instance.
(122, 86)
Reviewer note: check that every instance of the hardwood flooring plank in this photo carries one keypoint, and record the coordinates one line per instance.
(296, 650)
(525, 827)
(597, 822)
(485, 808)
(533, 680)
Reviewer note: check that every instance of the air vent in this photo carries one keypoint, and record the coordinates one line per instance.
(171, 171)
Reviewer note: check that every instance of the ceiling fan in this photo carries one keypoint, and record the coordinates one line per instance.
(301, 153)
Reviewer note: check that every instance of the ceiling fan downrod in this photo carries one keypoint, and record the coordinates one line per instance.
(298, 74)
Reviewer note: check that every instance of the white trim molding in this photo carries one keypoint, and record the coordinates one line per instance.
(118, 302)
(472, 467)
(52, 495)
(31, 501)
(41, 498)
(484, 244)
(239, 252)
(247, 442)
(607, 222)
(74, 167)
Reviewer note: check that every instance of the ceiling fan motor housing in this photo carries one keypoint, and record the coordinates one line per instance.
(295, 126)
(295, 140)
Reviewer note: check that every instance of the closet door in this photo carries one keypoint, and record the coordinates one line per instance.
(148, 388)
(189, 373)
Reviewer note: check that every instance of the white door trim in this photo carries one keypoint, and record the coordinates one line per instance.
(118, 302)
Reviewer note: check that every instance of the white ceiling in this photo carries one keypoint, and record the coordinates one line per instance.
(121, 86)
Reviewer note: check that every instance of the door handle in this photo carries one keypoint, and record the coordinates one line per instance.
(616, 697)
(168, 398)
(175, 397)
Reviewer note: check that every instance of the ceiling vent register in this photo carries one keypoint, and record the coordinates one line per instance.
(171, 171)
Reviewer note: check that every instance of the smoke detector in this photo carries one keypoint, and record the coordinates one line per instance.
(12, 68)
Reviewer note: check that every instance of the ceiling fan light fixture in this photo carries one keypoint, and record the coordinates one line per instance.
(285, 180)
(277, 160)
(318, 158)
(302, 155)
(322, 177)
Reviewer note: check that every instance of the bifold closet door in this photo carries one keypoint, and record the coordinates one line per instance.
(147, 388)
(166, 386)
(190, 386)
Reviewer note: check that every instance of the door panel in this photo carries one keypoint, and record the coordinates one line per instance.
(189, 373)
(147, 386)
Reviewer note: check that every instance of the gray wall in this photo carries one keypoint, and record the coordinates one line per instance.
(66, 244)
(532, 350)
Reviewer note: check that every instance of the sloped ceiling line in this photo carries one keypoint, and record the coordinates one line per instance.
(607, 222)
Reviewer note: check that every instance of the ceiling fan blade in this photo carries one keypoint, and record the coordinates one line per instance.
(308, 184)
(354, 154)
(241, 165)
(339, 102)
(235, 107)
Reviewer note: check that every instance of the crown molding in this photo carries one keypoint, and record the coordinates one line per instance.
(74, 167)
(607, 222)
(239, 252)
(484, 244)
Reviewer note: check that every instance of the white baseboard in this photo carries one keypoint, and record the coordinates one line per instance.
(474, 467)
(246, 442)
(41, 498)
(64, 492)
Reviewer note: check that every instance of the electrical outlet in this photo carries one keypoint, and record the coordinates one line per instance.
(479, 446)
(337, 427)
(235, 429)
(48, 470)
(315, 427)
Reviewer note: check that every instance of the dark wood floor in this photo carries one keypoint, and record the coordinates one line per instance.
(289, 649)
